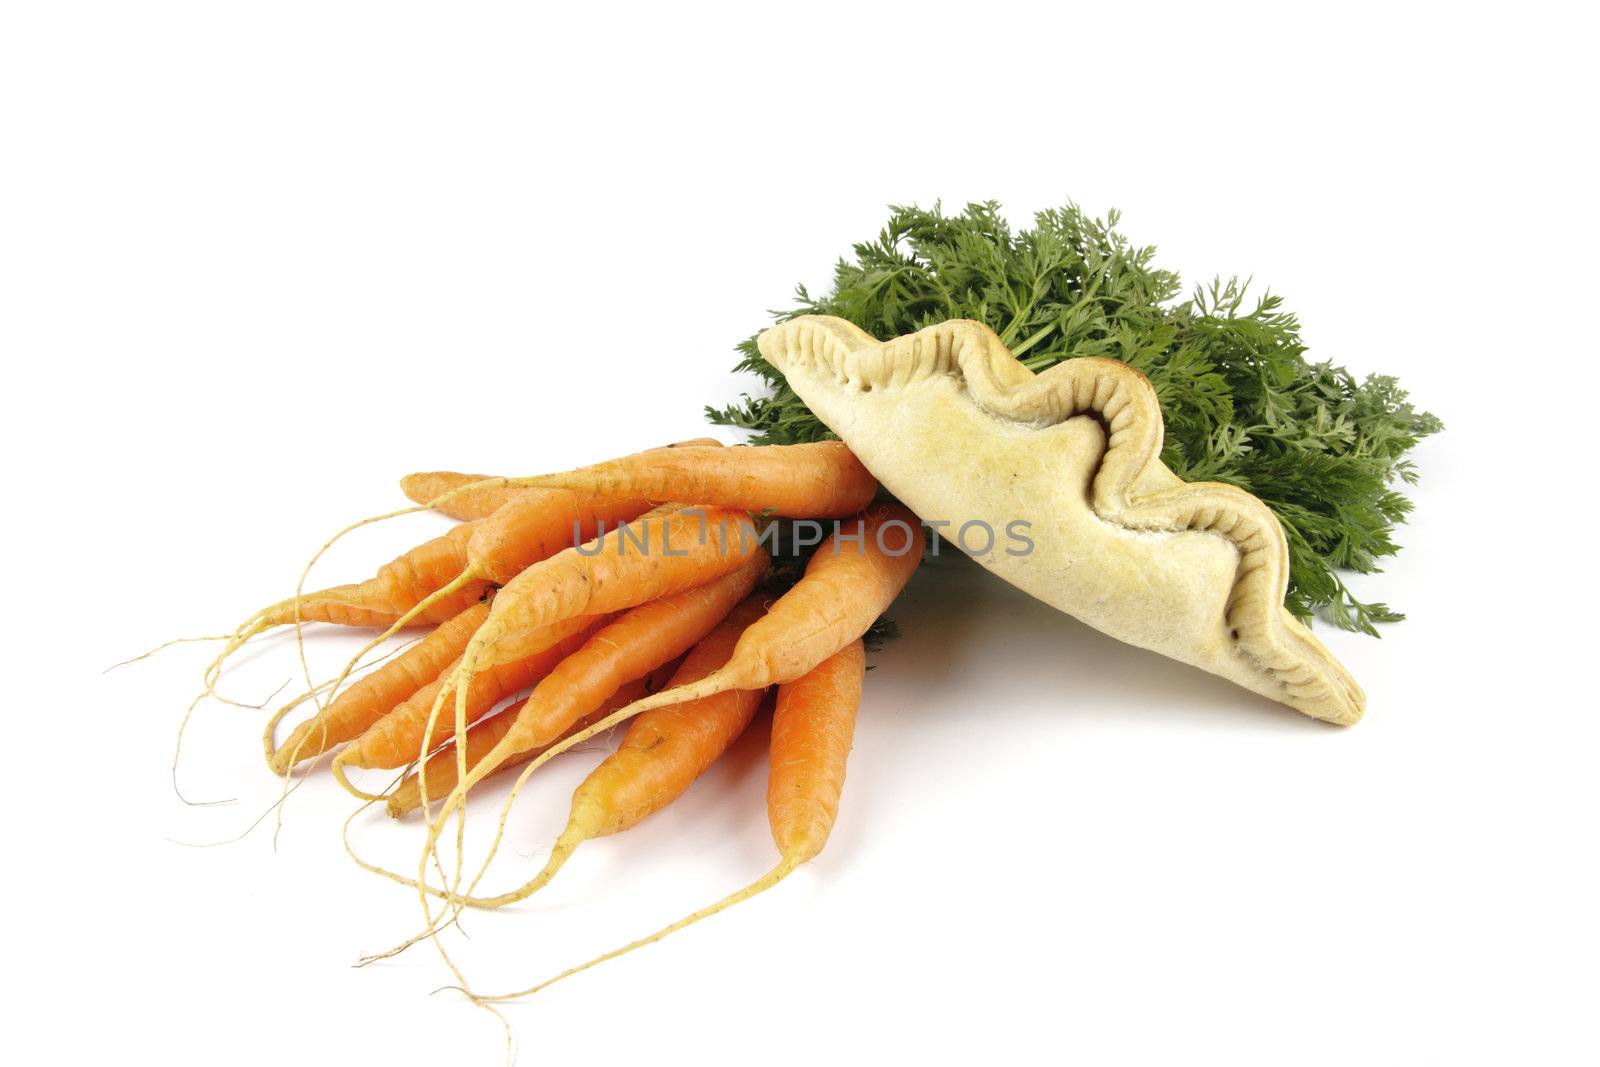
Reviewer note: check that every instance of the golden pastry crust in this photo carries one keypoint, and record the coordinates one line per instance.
(953, 425)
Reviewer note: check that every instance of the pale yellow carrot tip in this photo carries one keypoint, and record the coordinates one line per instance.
(337, 769)
(573, 836)
(486, 766)
(760, 885)
(282, 761)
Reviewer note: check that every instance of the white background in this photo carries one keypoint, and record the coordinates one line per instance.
(258, 261)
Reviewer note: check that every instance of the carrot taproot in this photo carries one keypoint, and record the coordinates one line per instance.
(376, 695)
(819, 480)
(812, 726)
(661, 755)
(425, 487)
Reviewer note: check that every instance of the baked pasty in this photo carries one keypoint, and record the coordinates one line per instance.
(966, 436)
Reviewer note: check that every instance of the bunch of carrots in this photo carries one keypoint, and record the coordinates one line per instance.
(638, 589)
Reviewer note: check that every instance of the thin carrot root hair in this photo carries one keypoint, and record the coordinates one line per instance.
(660, 757)
(406, 797)
(493, 550)
(646, 636)
(293, 610)
(732, 580)
(760, 885)
(812, 727)
(163, 646)
(251, 627)
(304, 607)
(454, 586)
(567, 583)
(378, 695)
(440, 767)
(209, 678)
(335, 604)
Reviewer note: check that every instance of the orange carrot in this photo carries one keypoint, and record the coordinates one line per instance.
(370, 699)
(536, 525)
(491, 552)
(404, 592)
(657, 555)
(341, 605)
(853, 577)
(821, 480)
(811, 730)
(396, 739)
(428, 486)
(425, 487)
(661, 755)
(403, 582)
(836, 601)
(442, 577)
(641, 640)
(440, 768)
(812, 727)
(439, 578)
(638, 642)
